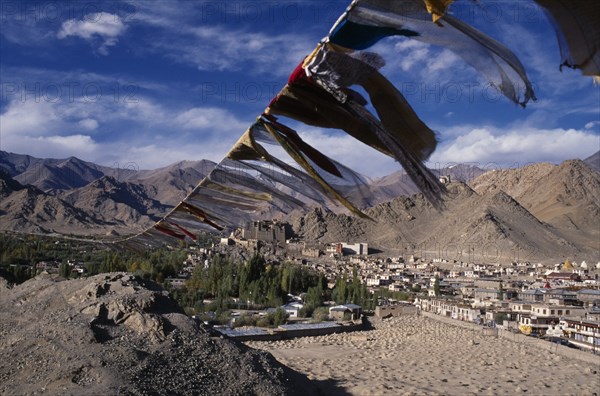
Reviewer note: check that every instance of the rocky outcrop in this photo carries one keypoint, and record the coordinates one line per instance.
(119, 334)
(139, 311)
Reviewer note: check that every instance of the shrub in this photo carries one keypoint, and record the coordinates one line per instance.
(245, 320)
(320, 314)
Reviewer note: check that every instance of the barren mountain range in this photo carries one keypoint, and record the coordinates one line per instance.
(89, 198)
(564, 196)
(538, 212)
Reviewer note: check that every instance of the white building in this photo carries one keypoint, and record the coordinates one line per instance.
(355, 248)
(293, 309)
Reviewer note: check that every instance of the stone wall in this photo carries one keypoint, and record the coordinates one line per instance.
(395, 310)
(282, 334)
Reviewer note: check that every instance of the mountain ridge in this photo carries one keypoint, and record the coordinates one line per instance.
(540, 211)
(485, 227)
(28, 209)
(168, 184)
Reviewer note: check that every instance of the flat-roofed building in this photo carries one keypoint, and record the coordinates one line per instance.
(582, 333)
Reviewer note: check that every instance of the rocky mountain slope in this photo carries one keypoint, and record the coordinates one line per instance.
(172, 183)
(540, 211)
(118, 334)
(490, 227)
(565, 196)
(593, 161)
(168, 184)
(100, 207)
(116, 202)
(53, 174)
(28, 209)
(75, 196)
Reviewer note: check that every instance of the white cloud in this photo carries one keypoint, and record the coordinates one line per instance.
(78, 143)
(143, 110)
(443, 61)
(108, 27)
(210, 118)
(156, 135)
(212, 35)
(411, 63)
(411, 53)
(162, 136)
(88, 124)
(592, 125)
(62, 117)
(44, 129)
(81, 146)
(516, 146)
(23, 117)
(423, 58)
(225, 47)
(220, 48)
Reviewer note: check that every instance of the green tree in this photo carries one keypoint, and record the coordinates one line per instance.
(436, 286)
(314, 296)
(340, 291)
(64, 270)
(357, 288)
(279, 316)
(500, 317)
(285, 279)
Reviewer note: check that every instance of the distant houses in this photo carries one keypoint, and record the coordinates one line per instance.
(345, 312)
(572, 315)
(563, 276)
(534, 295)
(47, 266)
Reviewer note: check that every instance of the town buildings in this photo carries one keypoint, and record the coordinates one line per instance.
(530, 298)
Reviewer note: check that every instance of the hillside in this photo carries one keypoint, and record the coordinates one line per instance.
(566, 196)
(118, 203)
(541, 211)
(75, 196)
(593, 161)
(53, 174)
(168, 184)
(490, 227)
(172, 183)
(119, 334)
(28, 209)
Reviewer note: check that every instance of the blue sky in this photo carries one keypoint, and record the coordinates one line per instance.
(155, 82)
